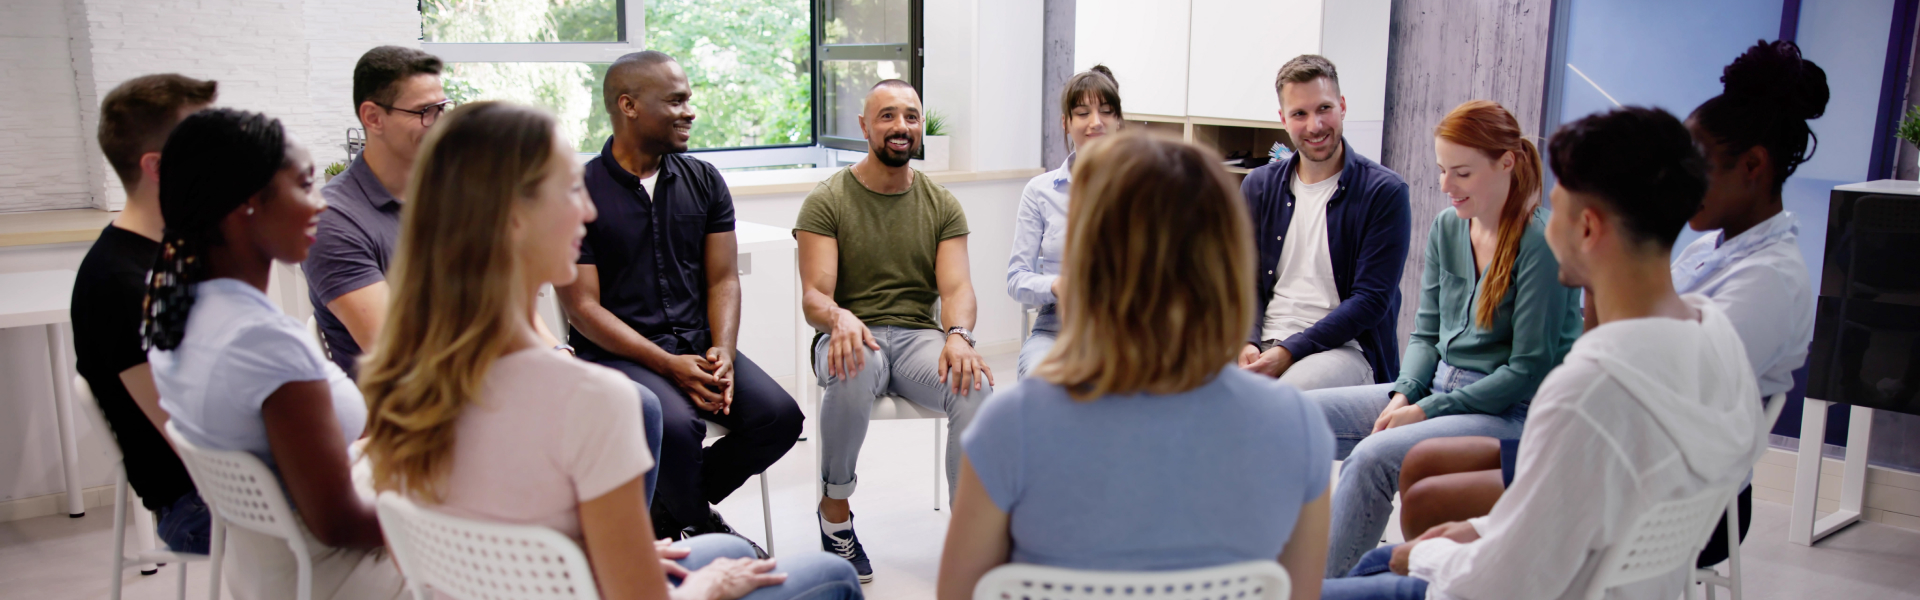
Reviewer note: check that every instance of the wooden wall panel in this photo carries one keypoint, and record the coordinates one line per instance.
(1442, 53)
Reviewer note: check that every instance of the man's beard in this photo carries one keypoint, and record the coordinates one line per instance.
(895, 158)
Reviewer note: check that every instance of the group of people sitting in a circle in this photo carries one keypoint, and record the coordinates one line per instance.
(1204, 349)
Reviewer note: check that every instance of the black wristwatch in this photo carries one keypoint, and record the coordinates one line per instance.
(964, 334)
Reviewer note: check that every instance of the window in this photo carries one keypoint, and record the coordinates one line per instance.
(754, 65)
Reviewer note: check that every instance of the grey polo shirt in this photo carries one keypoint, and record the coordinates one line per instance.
(357, 235)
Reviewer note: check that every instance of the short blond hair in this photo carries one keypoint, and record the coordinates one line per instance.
(1158, 288)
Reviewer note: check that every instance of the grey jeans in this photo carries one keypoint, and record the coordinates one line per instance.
(906, 365)
(1342, 366)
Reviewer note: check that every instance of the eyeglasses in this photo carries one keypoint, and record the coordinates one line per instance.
(428, 114)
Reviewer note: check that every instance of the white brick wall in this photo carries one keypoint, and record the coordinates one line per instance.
(292, 60)
(42, 163)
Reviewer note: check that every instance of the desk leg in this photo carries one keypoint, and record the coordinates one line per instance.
(1802, 529)
(63, 412)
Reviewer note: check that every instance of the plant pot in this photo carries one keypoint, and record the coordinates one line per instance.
(939, 152)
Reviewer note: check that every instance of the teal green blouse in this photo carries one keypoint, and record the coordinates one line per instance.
(1532, 330)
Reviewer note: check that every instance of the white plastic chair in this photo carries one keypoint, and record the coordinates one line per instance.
(240, 490)
(1667, 537)
(716, 431)
(475, 560)
(155, 554)
(1255, 580)
(1709, 577)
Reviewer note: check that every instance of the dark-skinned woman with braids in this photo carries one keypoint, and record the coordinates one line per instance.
(237, 374)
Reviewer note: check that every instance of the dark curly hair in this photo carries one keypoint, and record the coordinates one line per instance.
(212, 163)
(1640, 162)
(1770, 94)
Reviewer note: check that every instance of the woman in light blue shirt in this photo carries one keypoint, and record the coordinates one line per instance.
(234, 373)
(1137, 445)
(1089, 108)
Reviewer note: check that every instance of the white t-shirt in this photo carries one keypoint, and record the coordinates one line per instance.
(546, 433)
(647, 183)
(1303, 292)
(239, 349)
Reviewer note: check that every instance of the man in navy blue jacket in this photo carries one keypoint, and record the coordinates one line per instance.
(1332, 228)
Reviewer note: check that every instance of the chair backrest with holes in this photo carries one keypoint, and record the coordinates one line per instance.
(240, 488)
(475, 560)
(1663, 541)
(1256, 580)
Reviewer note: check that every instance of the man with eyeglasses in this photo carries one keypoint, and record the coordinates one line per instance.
(397, 95)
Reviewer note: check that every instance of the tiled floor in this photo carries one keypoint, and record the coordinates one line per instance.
(56, 558)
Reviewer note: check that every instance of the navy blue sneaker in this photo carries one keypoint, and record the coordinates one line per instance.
(846, 545)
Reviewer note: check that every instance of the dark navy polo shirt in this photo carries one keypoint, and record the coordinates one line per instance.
(352, 249)
(651, 251)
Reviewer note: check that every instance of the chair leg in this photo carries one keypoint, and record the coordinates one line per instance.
(182, 582)
(766, 512)
(1692, 579)
(119, 535)
(217, 542)
(1733, 549)
(936, 464)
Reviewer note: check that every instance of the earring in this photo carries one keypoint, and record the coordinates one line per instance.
(249, 211)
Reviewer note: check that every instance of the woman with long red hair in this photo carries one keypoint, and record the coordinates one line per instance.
(1493, 320)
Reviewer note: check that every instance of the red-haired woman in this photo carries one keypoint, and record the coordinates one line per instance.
(1493, 320)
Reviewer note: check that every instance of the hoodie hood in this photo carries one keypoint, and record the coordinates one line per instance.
(1693, 378)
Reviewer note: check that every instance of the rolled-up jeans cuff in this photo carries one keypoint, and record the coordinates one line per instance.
(842, 491)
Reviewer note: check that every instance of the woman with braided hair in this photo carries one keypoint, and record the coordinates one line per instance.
(234, 372)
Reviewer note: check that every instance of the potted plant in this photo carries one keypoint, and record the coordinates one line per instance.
(936, 146)
(1909, 128)
(334, 169)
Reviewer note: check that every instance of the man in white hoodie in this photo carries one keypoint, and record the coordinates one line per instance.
(1655, 404)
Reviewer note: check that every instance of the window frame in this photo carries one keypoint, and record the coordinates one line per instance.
(633, 34)
(915, 49)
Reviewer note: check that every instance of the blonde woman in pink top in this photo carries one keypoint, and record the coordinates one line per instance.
(470, 414)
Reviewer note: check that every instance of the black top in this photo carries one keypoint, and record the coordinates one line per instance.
(352, 250)
(651, 252)
(1369, 224)
(108, 299)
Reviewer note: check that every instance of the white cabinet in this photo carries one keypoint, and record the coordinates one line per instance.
(1238, 47)
(1144, 42)
(1215, 60)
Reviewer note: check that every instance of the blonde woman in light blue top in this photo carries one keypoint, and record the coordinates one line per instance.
(1089, 108)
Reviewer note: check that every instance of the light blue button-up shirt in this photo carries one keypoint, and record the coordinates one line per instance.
(1039, 241)
(1759, 279)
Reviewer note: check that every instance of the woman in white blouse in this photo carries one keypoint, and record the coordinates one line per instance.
(1089, 109)
(234, 373)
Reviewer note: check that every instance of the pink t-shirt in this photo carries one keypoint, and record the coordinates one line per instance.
(547, 433)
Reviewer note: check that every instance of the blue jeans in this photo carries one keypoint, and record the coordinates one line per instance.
(810, 576)
(652, 421)
(1371, 580)
(1370, 475)
(1034, 350)
(184, 525)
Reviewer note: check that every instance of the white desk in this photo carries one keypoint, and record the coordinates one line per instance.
(41, 298)
(769, 242)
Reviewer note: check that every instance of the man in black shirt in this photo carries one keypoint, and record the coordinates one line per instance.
(109, 293)
(658, 297)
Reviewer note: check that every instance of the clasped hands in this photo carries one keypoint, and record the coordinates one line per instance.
(708, 379)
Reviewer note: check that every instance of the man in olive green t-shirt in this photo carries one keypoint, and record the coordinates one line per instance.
(879, 244)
